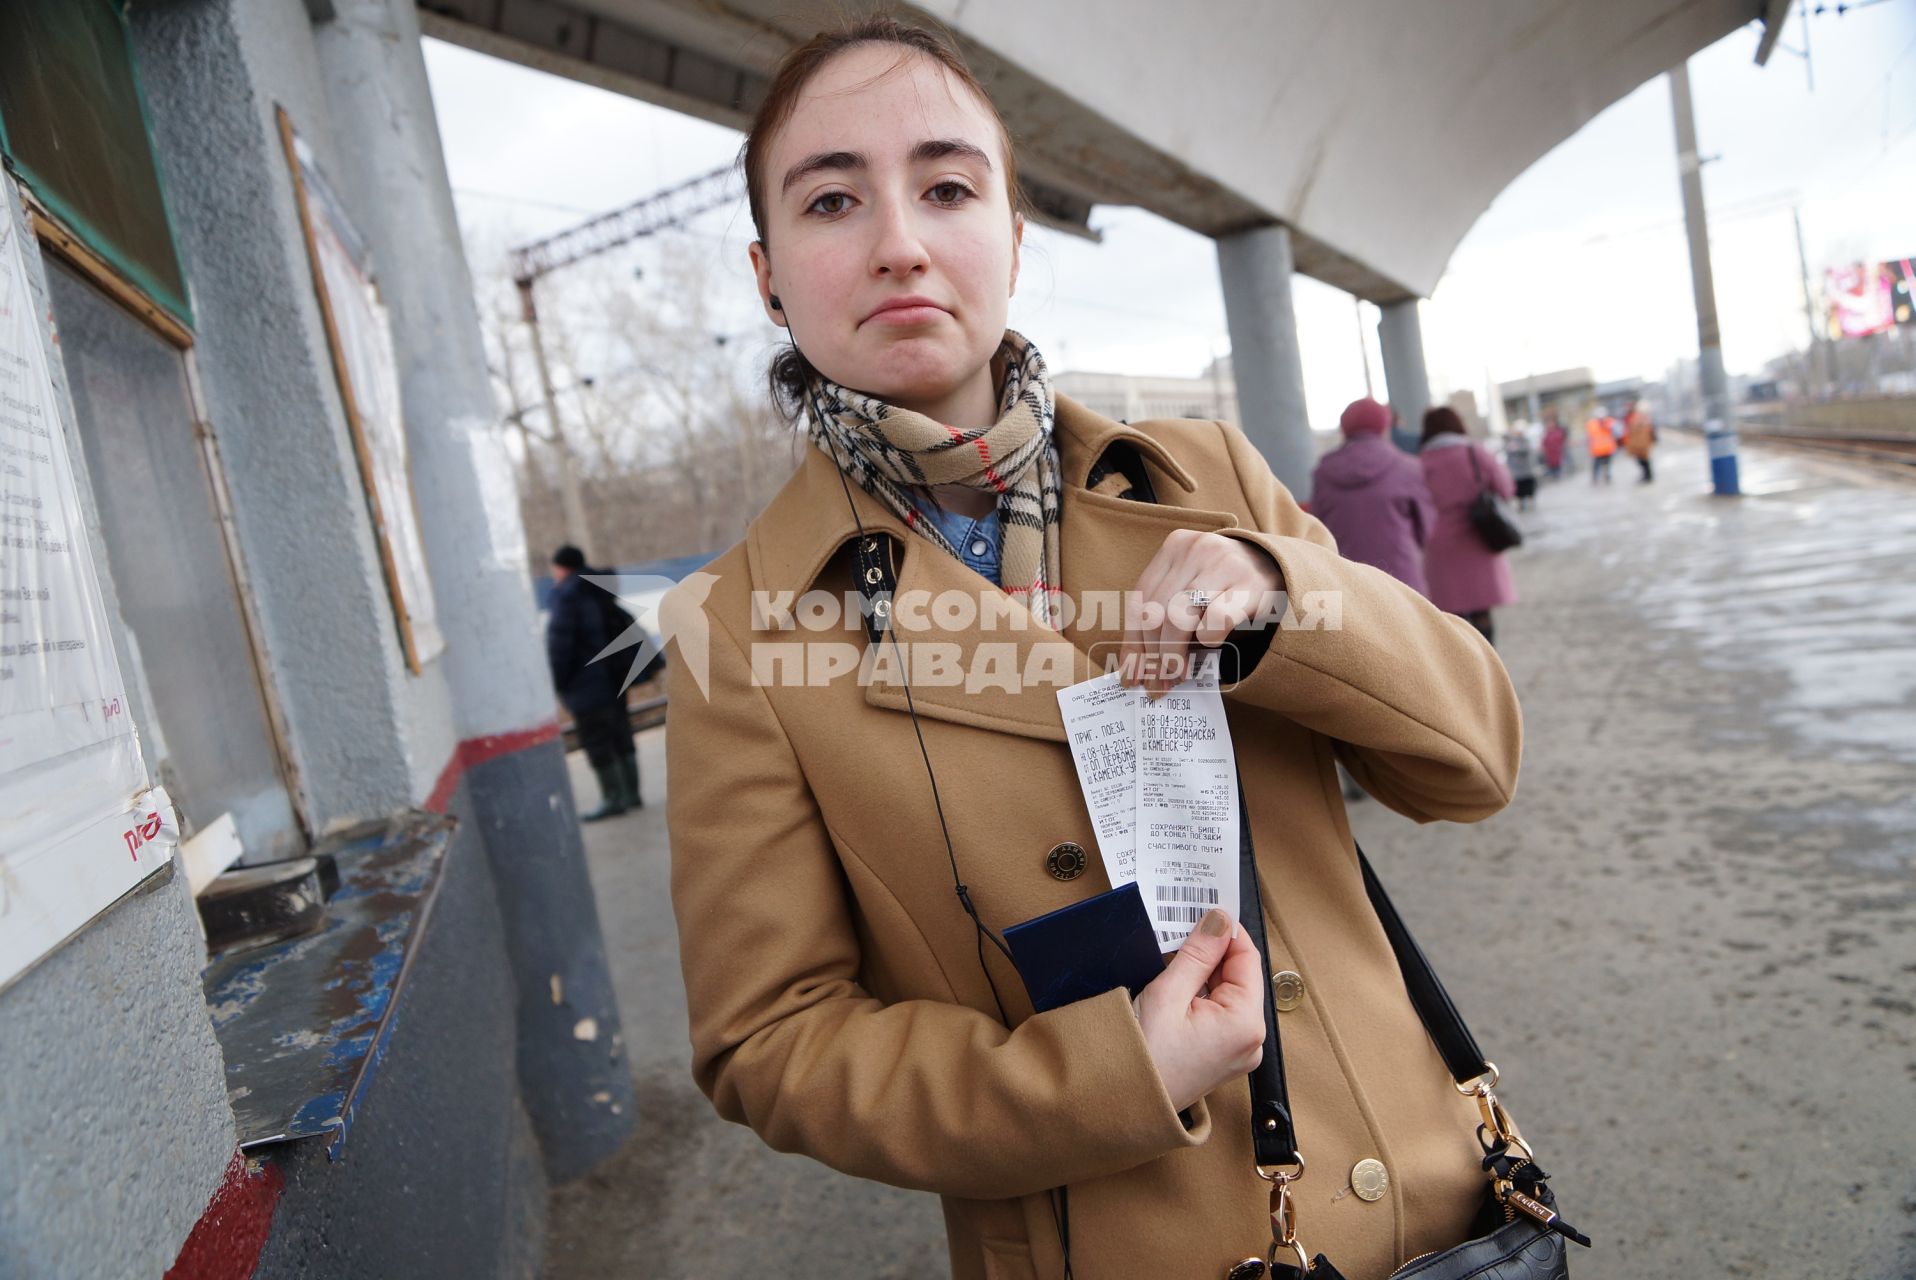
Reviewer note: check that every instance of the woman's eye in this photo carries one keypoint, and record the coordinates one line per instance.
(832, 202)
(950, 193)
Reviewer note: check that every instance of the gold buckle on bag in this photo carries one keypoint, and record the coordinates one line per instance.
(1497, 1122)
(1284, 1215)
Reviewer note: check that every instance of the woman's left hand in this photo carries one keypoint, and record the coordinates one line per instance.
(1234, 581)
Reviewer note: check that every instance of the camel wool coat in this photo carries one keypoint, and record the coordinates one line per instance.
(836, 996)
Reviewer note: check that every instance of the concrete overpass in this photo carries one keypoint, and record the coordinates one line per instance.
(1356, 143)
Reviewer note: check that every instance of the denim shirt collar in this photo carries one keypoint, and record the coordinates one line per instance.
(975, 538)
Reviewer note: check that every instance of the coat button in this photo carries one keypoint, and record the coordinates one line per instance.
(1249, 1269)
(1287, 990)
(1369, 1179)
(1066, 860)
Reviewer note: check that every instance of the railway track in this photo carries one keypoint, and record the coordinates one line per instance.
(1894, 451)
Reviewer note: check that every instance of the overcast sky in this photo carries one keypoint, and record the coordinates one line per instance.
(1580, 261)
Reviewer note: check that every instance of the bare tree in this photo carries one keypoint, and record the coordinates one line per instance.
(675, 441)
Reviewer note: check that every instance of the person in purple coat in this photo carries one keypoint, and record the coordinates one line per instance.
(1371, 496)
(1466, 577)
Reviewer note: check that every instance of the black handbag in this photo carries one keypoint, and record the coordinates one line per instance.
(1522, 1237)
(1490, 513)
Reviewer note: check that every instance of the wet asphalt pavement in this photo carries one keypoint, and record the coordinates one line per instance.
(1690, 942)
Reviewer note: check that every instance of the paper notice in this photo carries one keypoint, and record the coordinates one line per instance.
(78, 831)
(1100, 722)
(1187, 810)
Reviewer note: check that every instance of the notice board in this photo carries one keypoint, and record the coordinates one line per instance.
(80, 825)
(360, 334)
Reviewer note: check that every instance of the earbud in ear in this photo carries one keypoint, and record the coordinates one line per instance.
(776, 304)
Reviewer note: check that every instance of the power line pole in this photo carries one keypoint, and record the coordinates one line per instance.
(518, 415)
(1719, 428)
(1817, 349)
(1363, 352)
(577, 531)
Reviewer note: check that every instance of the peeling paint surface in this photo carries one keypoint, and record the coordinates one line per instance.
(305, 1023)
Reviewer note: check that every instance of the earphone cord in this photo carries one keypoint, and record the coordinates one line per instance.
(1060, 1205)
(951, 855)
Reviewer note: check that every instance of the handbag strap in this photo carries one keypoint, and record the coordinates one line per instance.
(1458, 1048)
(1273, 1136)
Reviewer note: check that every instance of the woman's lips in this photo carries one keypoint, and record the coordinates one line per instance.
(906, 316)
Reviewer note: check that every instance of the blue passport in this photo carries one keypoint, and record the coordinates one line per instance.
(1086, 949)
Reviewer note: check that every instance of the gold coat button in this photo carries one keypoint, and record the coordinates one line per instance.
(1369, 1179)
(1249, 1269)
(1287, 990)
(1066, 861)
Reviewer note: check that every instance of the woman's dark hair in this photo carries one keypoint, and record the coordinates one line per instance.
(790, 370)
(1442, 420)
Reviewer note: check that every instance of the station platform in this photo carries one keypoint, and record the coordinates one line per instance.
(1689, 942)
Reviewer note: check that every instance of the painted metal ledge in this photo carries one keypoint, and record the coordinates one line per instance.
(304, 1023)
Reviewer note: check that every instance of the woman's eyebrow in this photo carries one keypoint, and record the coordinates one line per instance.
(846, 161)
(823, 162)
(943, 148)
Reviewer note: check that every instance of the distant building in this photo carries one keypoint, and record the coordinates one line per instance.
(1571, 392)
(1131, 397)
(1464, 404)
(1617, 396)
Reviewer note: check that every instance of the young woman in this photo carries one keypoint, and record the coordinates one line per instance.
(1466, 577)
(842, 1003)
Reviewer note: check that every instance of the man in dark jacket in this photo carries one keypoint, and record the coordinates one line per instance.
(575, 631)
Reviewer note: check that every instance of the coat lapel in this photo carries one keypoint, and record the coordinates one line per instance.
(1002, 672)
(991, 667)
(1108, 541)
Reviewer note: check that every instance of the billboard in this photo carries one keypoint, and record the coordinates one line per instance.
(1863, 298)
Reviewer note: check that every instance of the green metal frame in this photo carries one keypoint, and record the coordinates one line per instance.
(174, 304)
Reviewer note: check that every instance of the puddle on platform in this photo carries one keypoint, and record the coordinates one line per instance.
(1878, 839)
(1810, 585)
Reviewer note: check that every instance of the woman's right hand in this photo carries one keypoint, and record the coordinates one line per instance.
(1200, 1038)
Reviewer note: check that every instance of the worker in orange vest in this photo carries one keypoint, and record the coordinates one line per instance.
(1603, 444)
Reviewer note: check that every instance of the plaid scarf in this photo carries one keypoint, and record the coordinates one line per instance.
(883, 448)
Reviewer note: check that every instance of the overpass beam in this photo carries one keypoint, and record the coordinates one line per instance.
(1400, 336)
(1256, 268)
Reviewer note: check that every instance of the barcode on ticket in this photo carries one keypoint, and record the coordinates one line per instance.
(1186, 893)
(1189, 915)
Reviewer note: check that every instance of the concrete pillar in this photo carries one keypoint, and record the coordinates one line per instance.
(1256, 268)
(1400, 336)
(572, 1069)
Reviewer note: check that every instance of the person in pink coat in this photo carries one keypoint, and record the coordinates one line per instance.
(1554, 440)
(1371, 496)
(1466, 577)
